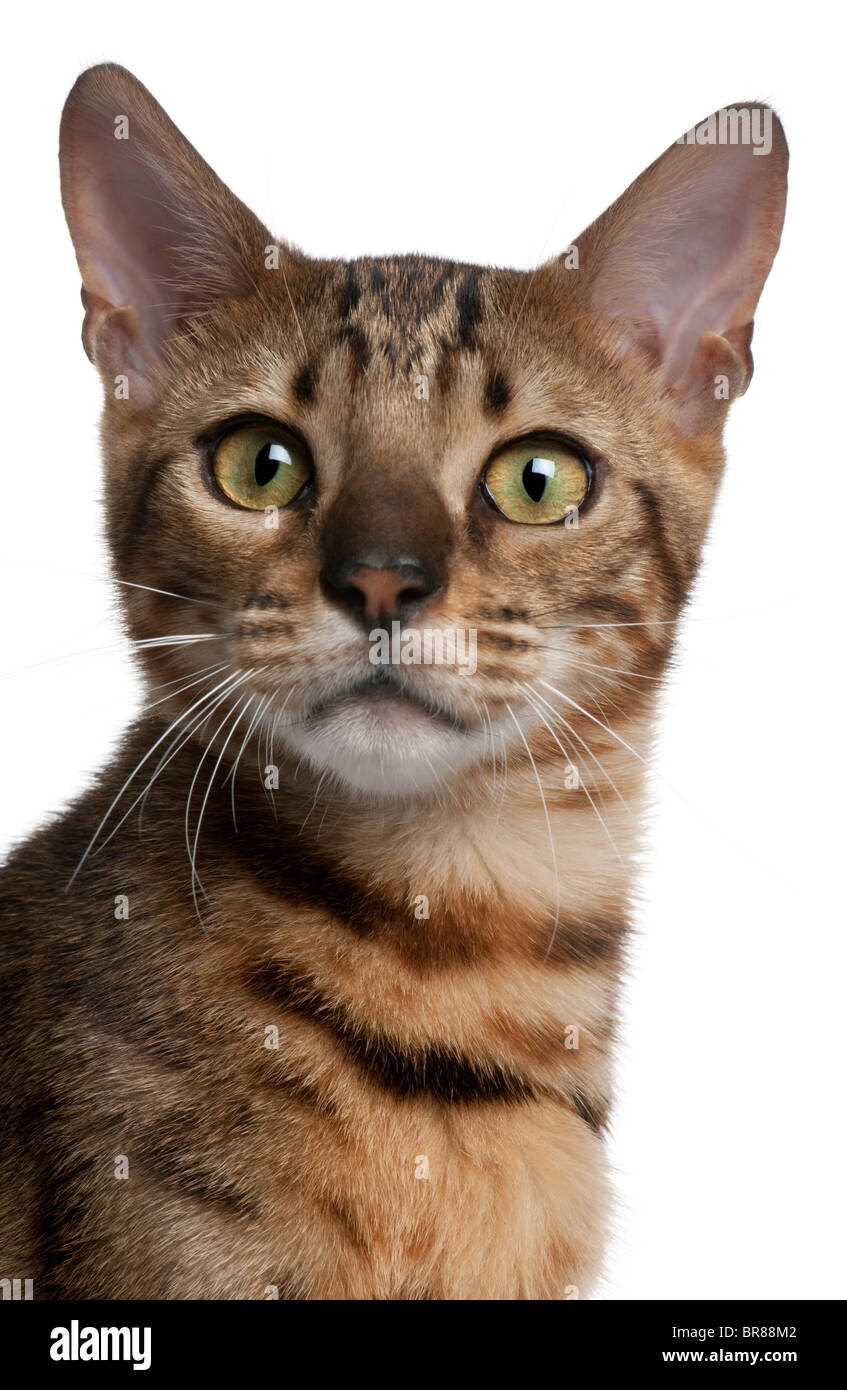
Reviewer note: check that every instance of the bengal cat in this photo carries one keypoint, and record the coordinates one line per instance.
(313, 994)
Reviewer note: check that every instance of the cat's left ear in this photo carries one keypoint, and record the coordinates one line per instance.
(158, 236)
(674, 269)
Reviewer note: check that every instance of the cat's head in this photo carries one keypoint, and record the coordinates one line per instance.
(424, 513)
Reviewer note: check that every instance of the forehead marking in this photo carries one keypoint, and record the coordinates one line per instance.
(395, 309)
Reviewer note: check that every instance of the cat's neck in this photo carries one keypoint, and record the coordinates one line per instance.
(524, 835)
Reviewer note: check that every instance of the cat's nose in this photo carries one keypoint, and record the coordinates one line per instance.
(382, 591)
(385, 545)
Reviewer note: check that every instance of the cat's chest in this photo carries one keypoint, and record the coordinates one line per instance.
(408, 1108)
(432, 1202)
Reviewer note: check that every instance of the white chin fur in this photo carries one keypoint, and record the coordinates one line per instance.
(386, 751)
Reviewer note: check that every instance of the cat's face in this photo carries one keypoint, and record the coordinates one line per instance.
(424, 514)
(414, 376)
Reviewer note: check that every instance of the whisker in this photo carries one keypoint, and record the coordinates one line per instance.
(600, 818)
(241, 709)
(231, 775)
(505, 778)
(559, 716)
(269, 796)
(121, 645)
(606, 727)
(321, 781)
(493, 747)
(594, 666)
(681, 618)
(329, 802)
(207, 674)
(183, 737)
(175, 680)
(112, 579)
(135, 770)
(230, 690)
(565, 729)
(208, 705)
(549, 826)
(170, 593)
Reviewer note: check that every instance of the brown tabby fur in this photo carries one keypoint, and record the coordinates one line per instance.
(253, 1168)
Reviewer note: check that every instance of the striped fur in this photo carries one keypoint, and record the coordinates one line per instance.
(322, 1090)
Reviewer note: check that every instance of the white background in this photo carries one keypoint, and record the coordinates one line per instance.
(495, 135)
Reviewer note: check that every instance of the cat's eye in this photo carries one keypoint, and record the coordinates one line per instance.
(260, 466)
(537, 481)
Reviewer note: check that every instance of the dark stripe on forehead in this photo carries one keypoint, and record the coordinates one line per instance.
(497, 393)
(359, 346)
(440, 285)
(350, 292)
(445, 367)
(305, 383)
(469, 305)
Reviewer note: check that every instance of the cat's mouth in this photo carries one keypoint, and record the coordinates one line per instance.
(387, 698)
(384, 736)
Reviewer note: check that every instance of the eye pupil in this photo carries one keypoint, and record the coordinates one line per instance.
(537, 481)
(258, 465)
(267, 463)
(535, 476)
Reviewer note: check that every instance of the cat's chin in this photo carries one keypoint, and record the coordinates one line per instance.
(387, 749)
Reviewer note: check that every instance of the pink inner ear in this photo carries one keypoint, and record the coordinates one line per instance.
(153, 226)
(124, 228)
(687, 249)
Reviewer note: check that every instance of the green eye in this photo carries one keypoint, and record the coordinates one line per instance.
(261, 466)
(537, 482)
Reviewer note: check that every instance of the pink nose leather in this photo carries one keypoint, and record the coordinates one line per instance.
(381, 589)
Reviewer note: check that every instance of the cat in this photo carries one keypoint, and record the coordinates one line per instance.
(313, 994)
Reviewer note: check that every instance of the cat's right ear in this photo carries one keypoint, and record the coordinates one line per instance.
(158, 236)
